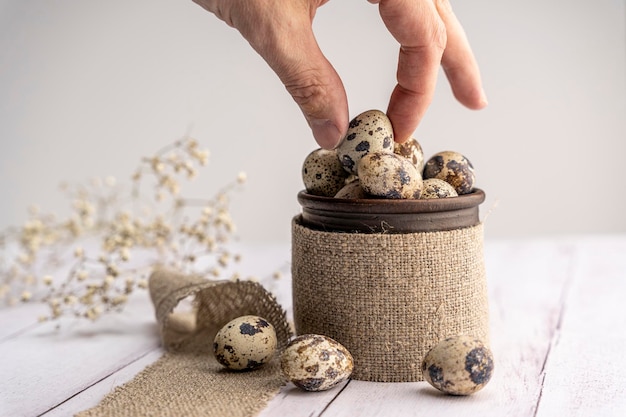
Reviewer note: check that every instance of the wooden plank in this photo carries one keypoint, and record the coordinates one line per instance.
(19, 318)
(526, 282)
(584, 373)
(293, 402)
(45, 366)
(91, 396)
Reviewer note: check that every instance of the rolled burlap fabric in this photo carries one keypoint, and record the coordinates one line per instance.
(187, 380)
(387, 295)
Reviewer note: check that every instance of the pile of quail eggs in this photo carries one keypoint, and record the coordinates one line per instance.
(368, 163)
(312, 362)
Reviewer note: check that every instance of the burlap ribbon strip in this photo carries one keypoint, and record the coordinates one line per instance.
(187, 380)
(389, 297)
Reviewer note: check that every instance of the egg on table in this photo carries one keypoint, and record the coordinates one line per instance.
(459, 365)
(322, 173)
(370, 131)
(436, 188)
(453, 168)
(316, 363)
(389, 175)
(246, 342)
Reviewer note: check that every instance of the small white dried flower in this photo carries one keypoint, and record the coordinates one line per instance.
(79, 252)
(70, 300)
(177, 239)
(125, 254)
(94, 313)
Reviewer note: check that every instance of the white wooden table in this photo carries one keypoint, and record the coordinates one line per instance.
(558, 324)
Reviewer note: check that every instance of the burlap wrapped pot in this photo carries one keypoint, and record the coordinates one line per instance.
(389, 278)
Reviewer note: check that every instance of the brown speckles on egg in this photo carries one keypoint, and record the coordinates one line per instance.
(389, 175)
(316, 363)
(436, 188)
(253, 327)
(412, 150)
(453, 168)
(246, 342)
(459, 365)
(479, 365)
(370, 131)
(323, 173)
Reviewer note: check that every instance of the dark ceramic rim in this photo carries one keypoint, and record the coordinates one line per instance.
(390, 215)
(385, 205)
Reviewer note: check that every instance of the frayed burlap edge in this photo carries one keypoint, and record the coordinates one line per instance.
(187, 380)
(388, 298)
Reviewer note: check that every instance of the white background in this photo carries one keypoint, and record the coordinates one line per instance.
(89, 87)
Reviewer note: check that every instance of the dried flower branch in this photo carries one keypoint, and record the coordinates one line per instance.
(47, 259)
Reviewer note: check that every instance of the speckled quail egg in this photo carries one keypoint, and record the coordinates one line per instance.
(316, 363)
(322, 173)
(453, 168)
(370, 131)
(459, 365)
(389, 175)
(412, 150)
(352, 190)
(436, 188)
(246, 342)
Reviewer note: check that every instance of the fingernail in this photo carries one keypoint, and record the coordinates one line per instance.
(325, 132)
(483, 99)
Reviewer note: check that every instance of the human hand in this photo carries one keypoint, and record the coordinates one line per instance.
(427, 30)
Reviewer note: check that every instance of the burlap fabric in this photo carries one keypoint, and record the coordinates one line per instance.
(187, 380)
(388, 298)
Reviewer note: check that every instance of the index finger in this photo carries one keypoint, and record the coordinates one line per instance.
(416, 25)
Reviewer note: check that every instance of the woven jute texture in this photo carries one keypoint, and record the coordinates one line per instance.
(187, 380)
(388, 298)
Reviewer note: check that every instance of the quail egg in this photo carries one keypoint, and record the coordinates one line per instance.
(436, 188)
(453, 168)
(459, 365)
(352, 190)
(370, 131)
(246, 342)
(389, 175)
(322, 173)
(412, 150)
(316, 363)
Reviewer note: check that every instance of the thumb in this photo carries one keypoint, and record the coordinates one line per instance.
(283, 36)
(314, 85)
(281, 32)
(318, 90)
